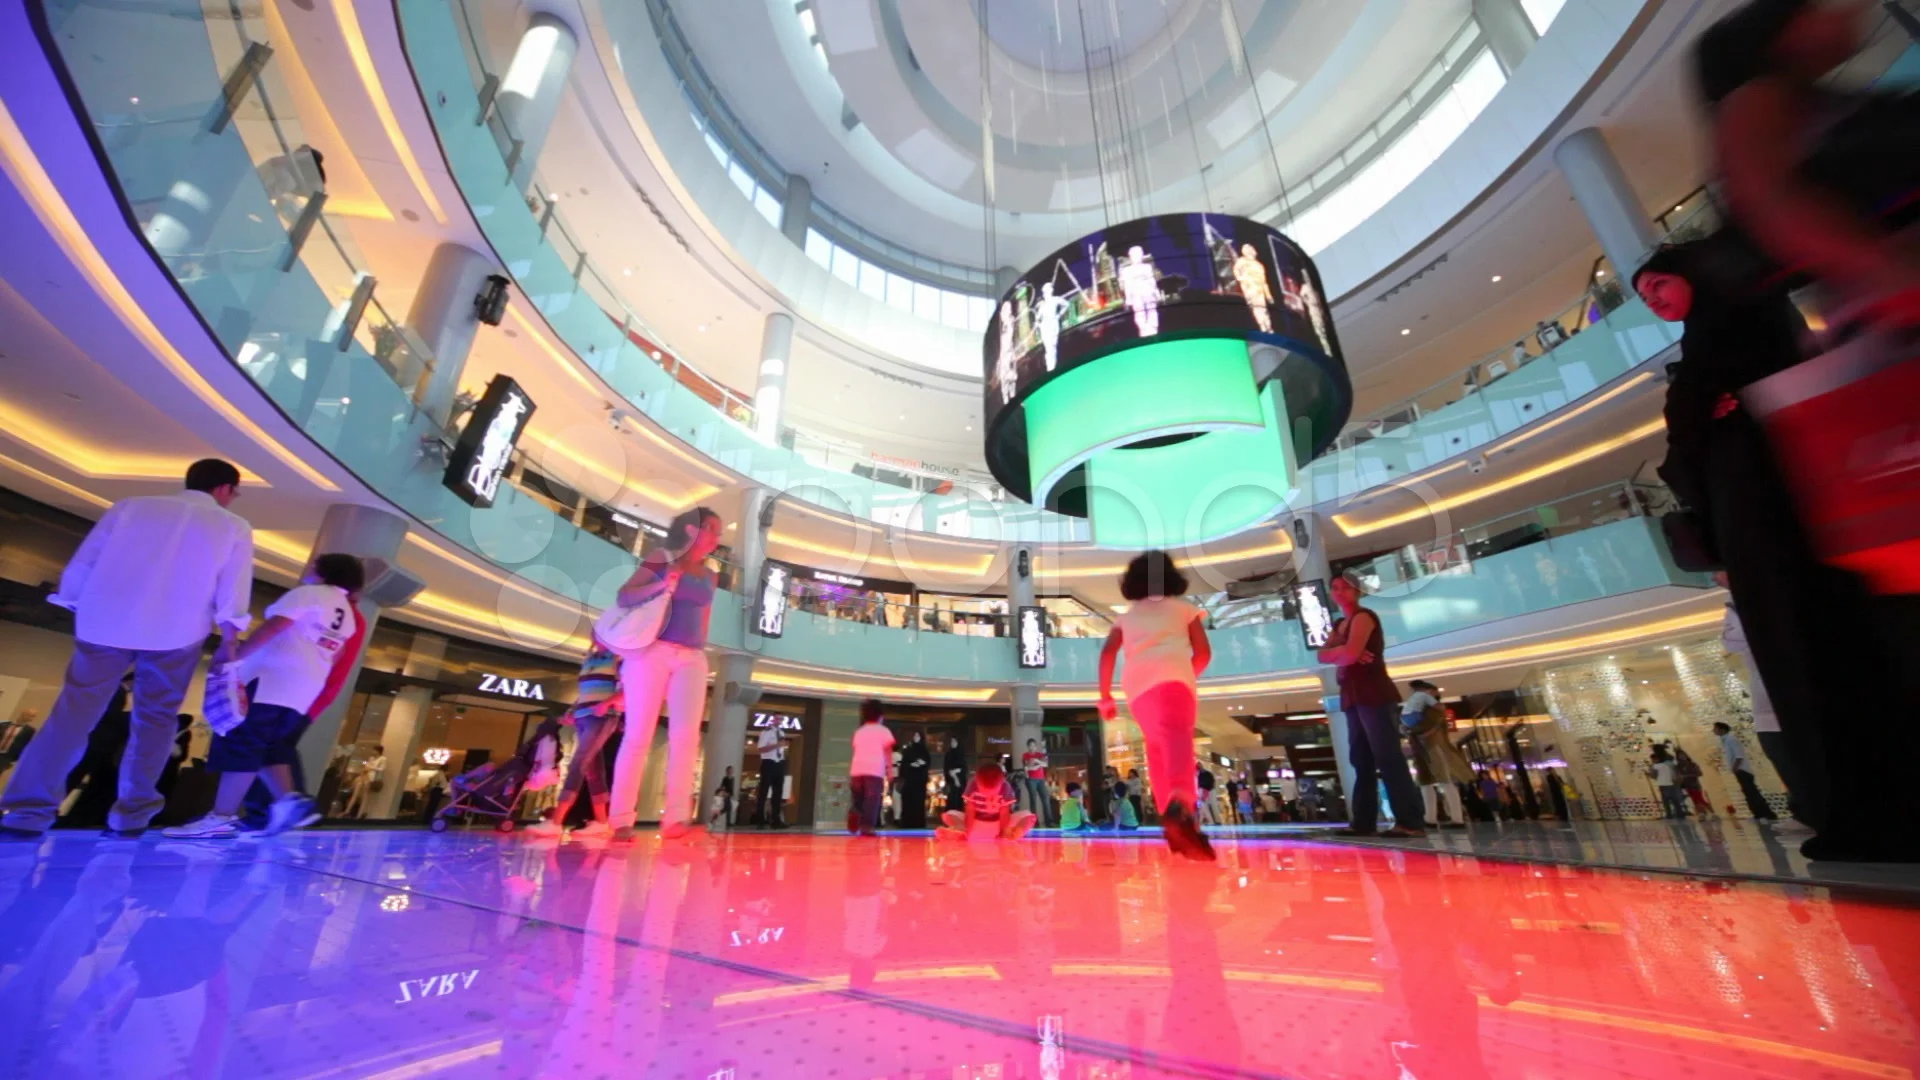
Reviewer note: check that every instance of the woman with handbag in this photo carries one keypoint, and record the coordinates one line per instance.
(659, 631)
(1811, 627)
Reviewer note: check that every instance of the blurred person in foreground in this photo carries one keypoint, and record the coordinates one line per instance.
(1822, 179)
(1811, 629)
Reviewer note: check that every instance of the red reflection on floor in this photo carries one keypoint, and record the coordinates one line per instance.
(807, 956)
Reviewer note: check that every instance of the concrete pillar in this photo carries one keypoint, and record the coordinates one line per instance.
(1310, 564)
(400, 739)
(1600, 187)
(725, 741)
(443, 316)
(530, 93)
(368, 532)
(796, 209)
(770, 390)
(1509, 31)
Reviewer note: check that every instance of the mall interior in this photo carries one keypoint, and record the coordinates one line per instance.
(947, 309)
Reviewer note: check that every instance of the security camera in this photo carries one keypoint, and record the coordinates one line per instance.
(1477, 463)
(616, 418)
(490, 306)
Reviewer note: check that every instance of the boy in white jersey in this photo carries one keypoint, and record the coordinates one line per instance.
(285, 665)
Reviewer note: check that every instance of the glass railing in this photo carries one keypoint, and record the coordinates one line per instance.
(1609, 558)
(209, 156)
(577, 300)
(1582, 349)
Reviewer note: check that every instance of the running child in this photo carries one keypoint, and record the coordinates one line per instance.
(287, 664)
(989, 813)
(597, 713)
(1166, 649)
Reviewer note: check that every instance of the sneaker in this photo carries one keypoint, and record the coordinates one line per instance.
(547, 829)
(290, 811)
(591, 830)
(211, 827)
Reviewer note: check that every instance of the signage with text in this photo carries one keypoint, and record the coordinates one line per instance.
(516, 688)
(784, 721)
(484, 450)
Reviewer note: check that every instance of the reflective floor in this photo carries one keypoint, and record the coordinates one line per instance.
(406, 954)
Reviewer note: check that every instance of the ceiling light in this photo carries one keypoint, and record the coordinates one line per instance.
(969, 427)
(1675, 209)
(703, 328)
(135, 100)
(1404, 331)
(627, 270)
(1599, 273)
(903, 416)
(1496, 279)
(655, 354)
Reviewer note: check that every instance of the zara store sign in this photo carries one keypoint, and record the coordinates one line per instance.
(519, 688)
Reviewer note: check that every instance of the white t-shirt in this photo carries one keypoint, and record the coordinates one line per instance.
(293, 667)
(872, 749)
(1663, 773)
(1417, 703)
(1156, 647)
(770, 746)
(1733, 751)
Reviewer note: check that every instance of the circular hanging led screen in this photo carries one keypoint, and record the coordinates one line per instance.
(1164, 377)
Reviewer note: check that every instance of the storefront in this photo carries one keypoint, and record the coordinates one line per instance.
(857, 598)
(428, 707)
(797, 722)
(1599, 718)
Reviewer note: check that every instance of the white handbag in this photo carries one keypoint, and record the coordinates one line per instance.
(627, 629)
(224, 699)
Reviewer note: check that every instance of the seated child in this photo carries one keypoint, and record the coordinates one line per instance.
(989, 813)
(1122, 815)
(1073, 810)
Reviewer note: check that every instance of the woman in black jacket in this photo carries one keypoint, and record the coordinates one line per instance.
(1816, 641)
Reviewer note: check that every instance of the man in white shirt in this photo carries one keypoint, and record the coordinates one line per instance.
(1736, 757)
(770, 798)
(153, 578)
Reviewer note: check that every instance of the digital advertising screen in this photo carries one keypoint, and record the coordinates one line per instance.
(1032, 622)
(1316, 612)
(485, 447)
(770, 614)
(1155, 278)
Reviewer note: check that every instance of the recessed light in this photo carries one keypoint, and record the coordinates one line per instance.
(1404, 331)
(1496, 279)
(703, 328)
(969, 427)
(655, 354)
(135, 100)
(346, 401)
(627, 270)
(903, 416)
(1599, 273)
(1675, 209)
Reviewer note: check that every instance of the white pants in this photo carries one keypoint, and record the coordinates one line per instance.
(1456, 809)
(676, 676)
(1203, 809)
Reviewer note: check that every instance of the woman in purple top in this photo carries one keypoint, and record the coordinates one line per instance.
(1372, 704)
(671, 671)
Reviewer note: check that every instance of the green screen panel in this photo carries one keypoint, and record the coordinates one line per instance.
(1161, 388)
(1177, 495)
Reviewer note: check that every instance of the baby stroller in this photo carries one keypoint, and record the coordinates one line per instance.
(494, 789)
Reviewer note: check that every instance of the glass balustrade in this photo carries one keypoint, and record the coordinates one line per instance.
(233, 202)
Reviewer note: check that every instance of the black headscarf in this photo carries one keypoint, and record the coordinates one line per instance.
(1739, 48)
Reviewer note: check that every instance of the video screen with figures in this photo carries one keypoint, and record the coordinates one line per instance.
(1310, 599)
(1158, 277)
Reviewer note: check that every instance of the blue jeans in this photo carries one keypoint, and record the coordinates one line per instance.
(1373, 748)
(1041, 798)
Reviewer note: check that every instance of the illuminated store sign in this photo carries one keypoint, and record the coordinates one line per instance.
(438, 755)
(1033, 638)
(485, 448)
(839, 579)
(785, 721)
(518, 688)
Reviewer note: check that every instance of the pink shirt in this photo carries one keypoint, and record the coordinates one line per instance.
(872, 750)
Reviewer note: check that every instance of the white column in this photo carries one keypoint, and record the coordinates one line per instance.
(530, 93)
(1612, 208)
(1310, 564)
(443, 316)
(400, 739)
(726, 736)
(770, 390)
(1509, 31)
(370, 533)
